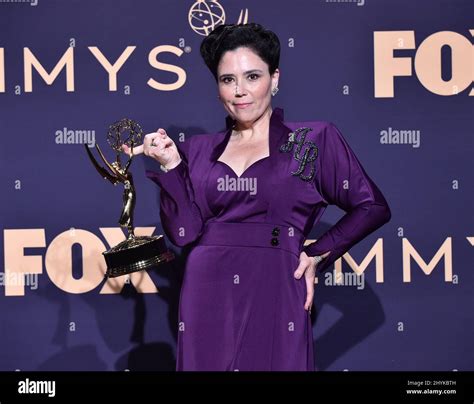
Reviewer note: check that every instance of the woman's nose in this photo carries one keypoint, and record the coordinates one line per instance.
(239, 90)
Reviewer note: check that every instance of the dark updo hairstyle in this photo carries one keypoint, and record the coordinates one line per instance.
(228, 37)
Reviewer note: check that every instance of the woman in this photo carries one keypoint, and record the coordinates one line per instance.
(245, 199)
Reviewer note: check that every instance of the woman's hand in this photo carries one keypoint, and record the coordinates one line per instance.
(307, 267)
(159, 146)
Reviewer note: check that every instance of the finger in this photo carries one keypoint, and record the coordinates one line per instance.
(160, 145)
(148, 139)
(300, 270)
(126, 149)
(322, 256)
(309, 292)
(152, 140)
(151, 143)
(157, 138)
(162, 132)
(165, 142)
(136, 150)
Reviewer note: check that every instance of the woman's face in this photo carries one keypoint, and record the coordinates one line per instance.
(243, 78)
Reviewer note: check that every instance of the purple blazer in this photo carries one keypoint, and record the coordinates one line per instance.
(310, 166)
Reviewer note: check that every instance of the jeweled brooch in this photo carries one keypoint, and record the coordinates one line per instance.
(305, 152)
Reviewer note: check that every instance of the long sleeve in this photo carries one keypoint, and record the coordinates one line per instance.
(343, 182)
(180, 215)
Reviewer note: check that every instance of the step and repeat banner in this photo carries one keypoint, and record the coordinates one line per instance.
(395, 76)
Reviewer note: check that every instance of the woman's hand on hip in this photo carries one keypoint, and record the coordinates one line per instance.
(159, 146)
(307, 266)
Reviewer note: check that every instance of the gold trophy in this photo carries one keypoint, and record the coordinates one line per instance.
(136, 253)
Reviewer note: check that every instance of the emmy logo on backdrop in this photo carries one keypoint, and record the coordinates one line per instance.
(136, 252)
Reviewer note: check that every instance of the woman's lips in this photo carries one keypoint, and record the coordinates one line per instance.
(241, 106)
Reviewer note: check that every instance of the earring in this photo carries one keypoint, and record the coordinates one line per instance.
(274, 91)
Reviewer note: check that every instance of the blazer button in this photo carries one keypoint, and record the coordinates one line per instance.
(275, 231)
(275, 241)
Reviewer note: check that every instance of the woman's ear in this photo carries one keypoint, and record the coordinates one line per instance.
(274, 80)
(275, 77)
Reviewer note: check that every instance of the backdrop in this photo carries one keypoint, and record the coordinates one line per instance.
(395, 76)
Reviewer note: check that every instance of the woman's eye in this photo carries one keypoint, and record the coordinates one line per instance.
(252, 77)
